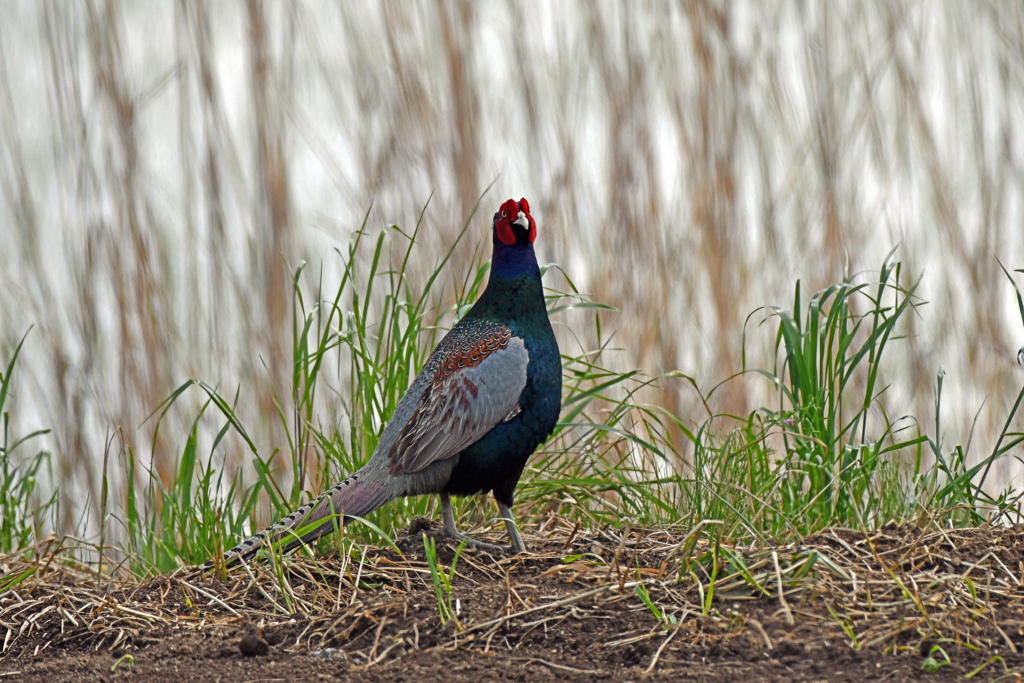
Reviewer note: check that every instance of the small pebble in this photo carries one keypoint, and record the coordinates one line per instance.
(253, 646)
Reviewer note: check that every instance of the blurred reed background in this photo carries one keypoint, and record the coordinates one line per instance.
(164, 166)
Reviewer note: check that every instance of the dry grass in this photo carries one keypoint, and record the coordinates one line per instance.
(899, 589)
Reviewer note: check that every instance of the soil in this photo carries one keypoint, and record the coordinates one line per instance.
(568, 611)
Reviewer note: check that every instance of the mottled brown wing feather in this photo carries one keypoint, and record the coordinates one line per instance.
(465, 400)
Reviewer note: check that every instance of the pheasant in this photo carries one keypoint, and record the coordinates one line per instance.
(489, 394)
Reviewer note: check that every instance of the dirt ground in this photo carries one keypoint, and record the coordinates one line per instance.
(899, 604)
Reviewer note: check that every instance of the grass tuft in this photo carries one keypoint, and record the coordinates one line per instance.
(22, 514)
(825, 454)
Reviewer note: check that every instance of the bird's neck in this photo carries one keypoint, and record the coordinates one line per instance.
(514, 288)
(514, 262)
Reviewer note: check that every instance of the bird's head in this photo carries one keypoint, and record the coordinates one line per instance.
(513, 223)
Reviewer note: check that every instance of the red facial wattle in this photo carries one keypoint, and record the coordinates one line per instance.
(525, 206)
(503, 225)
(506, 216)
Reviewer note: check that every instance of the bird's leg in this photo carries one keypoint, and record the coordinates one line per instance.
(451, 531)
(513, 531)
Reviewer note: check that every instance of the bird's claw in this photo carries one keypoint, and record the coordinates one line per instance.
(449, 529)
(476, 543)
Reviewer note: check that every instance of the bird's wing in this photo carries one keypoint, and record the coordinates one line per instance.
(474, 388)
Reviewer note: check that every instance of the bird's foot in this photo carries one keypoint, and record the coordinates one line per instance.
(513, 532)
(459, 537)
(452, 532)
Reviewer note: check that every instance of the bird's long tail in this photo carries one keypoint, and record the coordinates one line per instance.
(357, 496)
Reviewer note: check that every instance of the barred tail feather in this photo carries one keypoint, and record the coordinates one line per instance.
(352, 497)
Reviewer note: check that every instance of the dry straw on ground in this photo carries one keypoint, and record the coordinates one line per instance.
(899, 589)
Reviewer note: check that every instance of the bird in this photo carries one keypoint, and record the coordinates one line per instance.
(489, 394)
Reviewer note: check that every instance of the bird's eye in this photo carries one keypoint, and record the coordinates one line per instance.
(503, 214)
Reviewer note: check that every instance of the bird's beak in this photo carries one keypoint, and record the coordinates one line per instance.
(522, 221)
